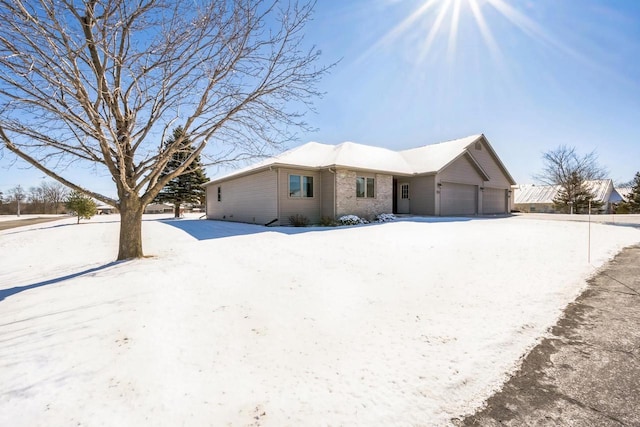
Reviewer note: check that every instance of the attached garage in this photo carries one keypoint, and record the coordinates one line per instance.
(458, 199)
(461, 177)
(494, 201)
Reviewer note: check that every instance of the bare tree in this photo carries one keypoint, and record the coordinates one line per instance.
(16, 195)
(103, 81)
(625, 184)
(570, 171)
(55, 194)
(36, 199)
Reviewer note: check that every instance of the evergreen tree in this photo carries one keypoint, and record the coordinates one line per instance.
(187, 187)
(631, 203)
(575, 195)
(82, 205)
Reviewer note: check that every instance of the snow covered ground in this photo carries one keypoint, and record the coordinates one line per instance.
(404, 323)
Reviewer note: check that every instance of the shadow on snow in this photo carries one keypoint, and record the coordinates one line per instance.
(36, 228)
(4, 293)
(212, 229)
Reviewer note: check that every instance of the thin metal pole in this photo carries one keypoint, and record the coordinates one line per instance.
(589, 250)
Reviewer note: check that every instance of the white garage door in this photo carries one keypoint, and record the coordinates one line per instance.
(458, 199)
(494, 201)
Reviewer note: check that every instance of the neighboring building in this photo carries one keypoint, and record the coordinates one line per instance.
(621, 193)
(534, 198)
(158, 208)
(459, 177)
(103, 209)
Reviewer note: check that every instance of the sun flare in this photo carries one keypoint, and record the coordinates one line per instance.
(440, 22)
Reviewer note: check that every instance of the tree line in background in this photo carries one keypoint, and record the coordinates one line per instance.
(46, 198)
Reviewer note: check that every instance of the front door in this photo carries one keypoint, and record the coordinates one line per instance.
(403, 198)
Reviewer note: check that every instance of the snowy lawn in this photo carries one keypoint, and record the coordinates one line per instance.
(404, 323)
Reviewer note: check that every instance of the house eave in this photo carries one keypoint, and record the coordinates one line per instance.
(498, 161)
(258, 169)
(371, 170)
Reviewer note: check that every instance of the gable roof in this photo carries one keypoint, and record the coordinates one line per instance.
(422, 160)
(359, 156)
(435, 157)
(623, 192)
(532, 193)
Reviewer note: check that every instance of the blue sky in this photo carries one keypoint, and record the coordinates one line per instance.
(545, 73)
(530, 75)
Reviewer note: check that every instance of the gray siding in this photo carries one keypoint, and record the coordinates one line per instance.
(462, 172)
(311, 207)
(328, 194)
(422, 195)
(453, 199)
(497, 188)
(249, 199)
(497, 178)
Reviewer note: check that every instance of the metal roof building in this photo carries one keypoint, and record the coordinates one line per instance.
(539, 198)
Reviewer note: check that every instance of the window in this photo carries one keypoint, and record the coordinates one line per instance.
(365, 187)
(404, 191)
(307, 186)
(300, 186)
(219, 194)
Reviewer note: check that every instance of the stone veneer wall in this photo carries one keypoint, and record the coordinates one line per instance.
(348, 204)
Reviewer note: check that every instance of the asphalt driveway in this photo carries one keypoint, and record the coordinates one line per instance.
(5, 225)
(587, 372)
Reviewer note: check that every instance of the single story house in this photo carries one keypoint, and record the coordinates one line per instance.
(158, 208)
(459, 177)
(532, 198)
(103, 209)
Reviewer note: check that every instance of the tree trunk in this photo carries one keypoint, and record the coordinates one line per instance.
(130, 245)
(176, 210)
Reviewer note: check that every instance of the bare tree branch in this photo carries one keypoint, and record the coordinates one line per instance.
(563, 162)
(570, 171)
